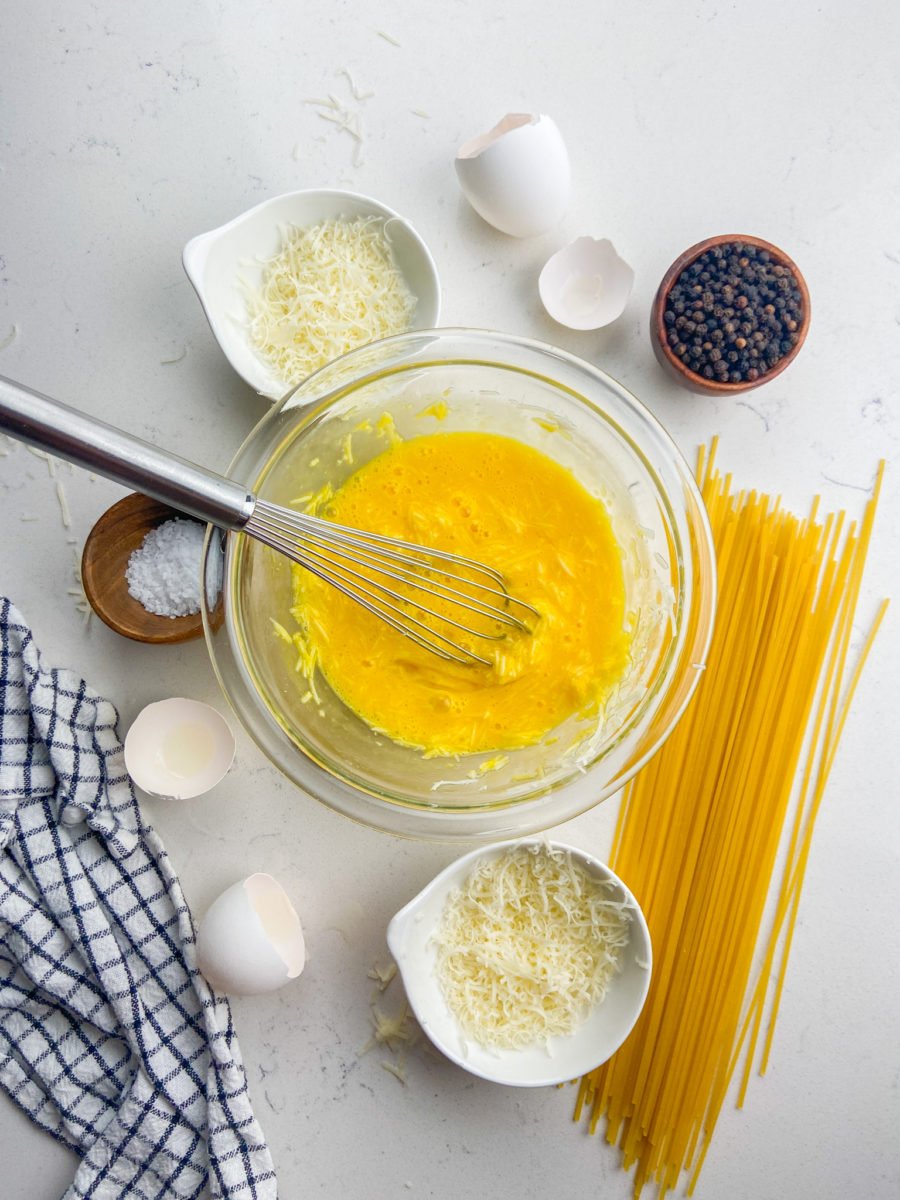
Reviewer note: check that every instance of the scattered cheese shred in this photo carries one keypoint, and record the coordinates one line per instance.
(396, 1071)
(383, 975)
(396, 1031)
(63, 506)
(354, 90)
(45, 458)
(438, 410)
(281, 631)
(528, 946)
(391, 1031)
(331, 287)
(490, 764)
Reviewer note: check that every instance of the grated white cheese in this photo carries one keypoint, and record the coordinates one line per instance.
(354, 90)
(383, 975)
(528, 946)
(395, 1070)
(44, 457)
(330, 287)
(63, 506)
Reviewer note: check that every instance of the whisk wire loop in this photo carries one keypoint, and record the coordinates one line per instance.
(333, 553)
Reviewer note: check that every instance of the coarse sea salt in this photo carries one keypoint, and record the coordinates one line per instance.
(164, 572)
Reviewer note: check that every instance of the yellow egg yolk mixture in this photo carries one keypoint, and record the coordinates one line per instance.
(496, 500)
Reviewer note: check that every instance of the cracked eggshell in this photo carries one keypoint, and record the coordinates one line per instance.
(251, 940)
(517, 176)
(178, 748)
(586, 285)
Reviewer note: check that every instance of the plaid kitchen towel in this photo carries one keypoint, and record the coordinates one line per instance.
(109, 1037)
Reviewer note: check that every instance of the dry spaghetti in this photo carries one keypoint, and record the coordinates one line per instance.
(703, 824)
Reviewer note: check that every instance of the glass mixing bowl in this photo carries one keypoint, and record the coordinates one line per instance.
(446, 381)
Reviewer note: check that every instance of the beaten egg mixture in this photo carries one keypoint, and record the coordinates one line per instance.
(496, 500)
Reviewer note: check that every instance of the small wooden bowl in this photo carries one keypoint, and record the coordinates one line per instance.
(673, 365)
(109, 546)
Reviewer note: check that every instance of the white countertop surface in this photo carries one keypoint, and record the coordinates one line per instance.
(125, 130)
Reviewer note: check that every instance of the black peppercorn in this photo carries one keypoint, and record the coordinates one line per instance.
(729, 281)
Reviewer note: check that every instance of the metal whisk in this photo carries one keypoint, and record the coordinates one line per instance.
(417, 590)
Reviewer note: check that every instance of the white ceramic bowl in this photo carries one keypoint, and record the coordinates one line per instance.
(565, 1058)
(223, 261)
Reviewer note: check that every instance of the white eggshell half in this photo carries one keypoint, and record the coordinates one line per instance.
(586, 285)
(178, 748)
(251, 941)
(517, 176)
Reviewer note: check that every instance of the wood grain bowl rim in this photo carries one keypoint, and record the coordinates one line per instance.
(128, 616)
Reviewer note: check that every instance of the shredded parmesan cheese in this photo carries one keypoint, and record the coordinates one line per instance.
(395, 1032)
(354, 90)
(528, 946)
(330, 287)
(383, 975)
(44, 457)
(63, 505)
(396, 1071)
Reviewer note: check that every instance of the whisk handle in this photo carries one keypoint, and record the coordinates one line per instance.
(40, 421)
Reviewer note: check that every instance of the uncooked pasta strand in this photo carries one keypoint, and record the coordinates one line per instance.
(703, 825)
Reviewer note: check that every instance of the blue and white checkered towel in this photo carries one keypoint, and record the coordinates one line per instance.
(109, 1037)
